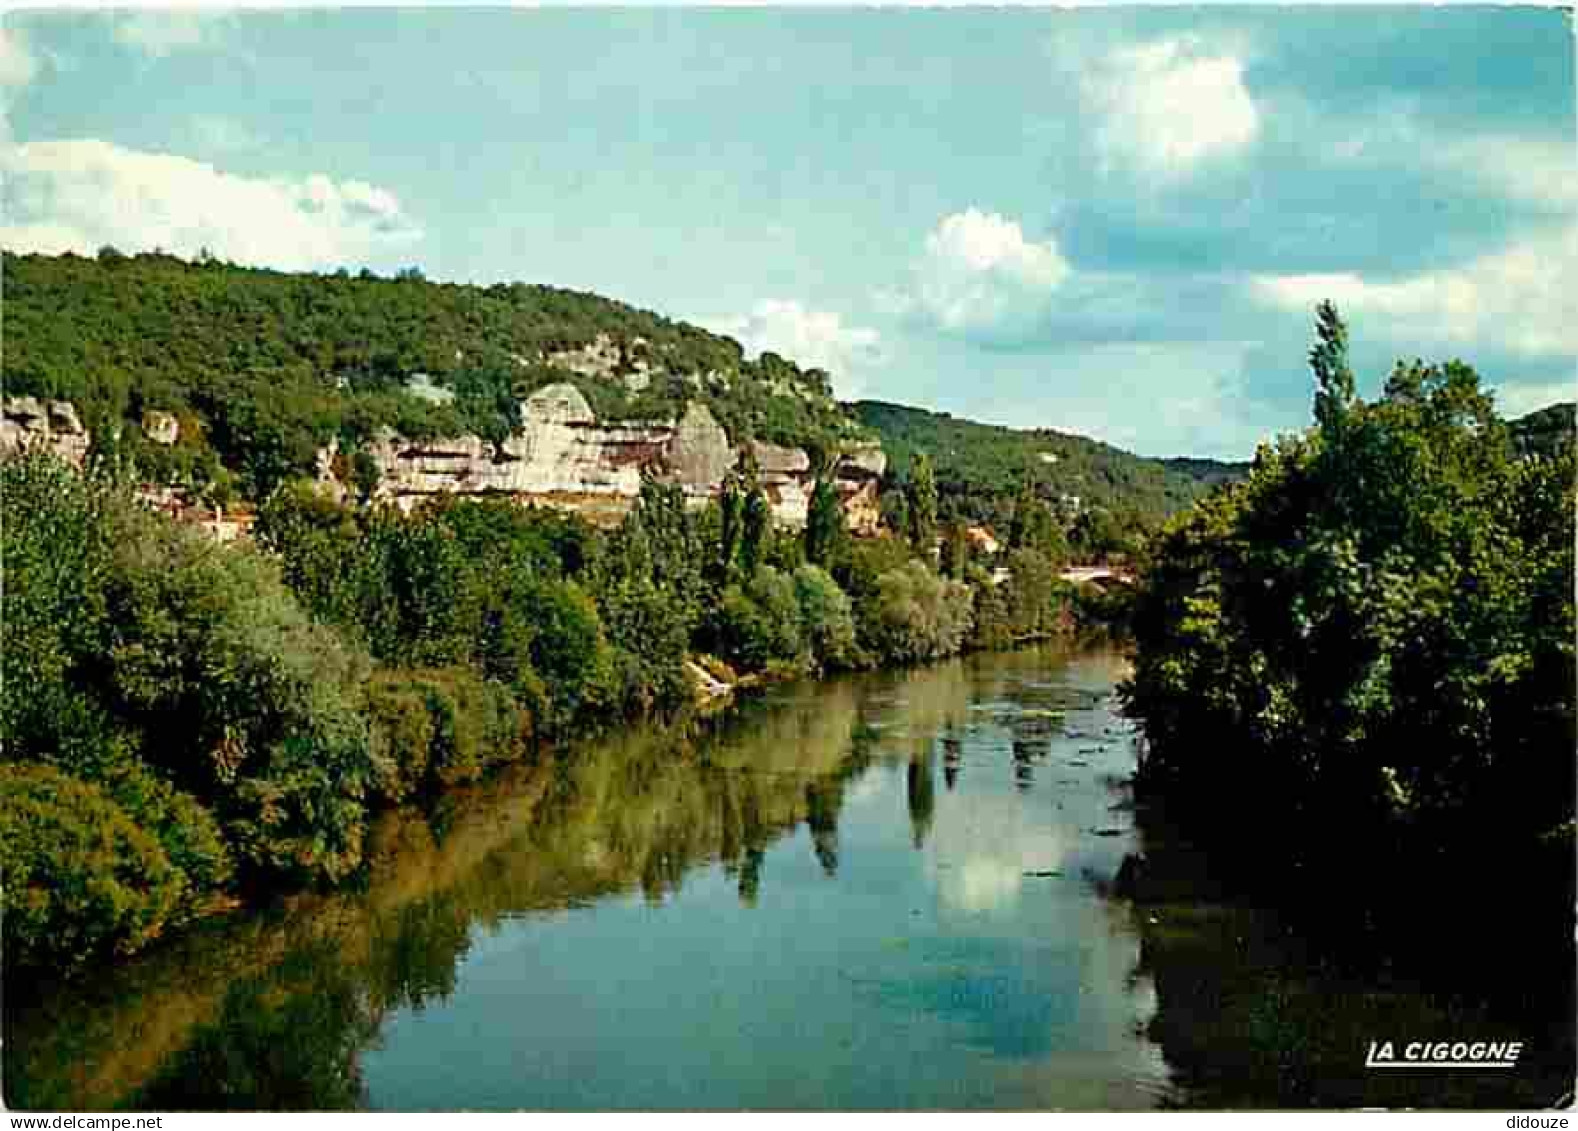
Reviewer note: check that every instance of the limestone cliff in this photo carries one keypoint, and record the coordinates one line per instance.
(562, 456)
(28, 423)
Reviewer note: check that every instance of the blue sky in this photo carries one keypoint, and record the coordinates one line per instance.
(1115, 222)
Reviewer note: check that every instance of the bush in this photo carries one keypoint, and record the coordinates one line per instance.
(568, 651)
(1376, 628)
(128, 633)
(759, 623)
(915, 615)
(188, 833)
(650, 635)
(81, 879)
(442, 726)
(827, 617)
(476, 724)
(402, 735)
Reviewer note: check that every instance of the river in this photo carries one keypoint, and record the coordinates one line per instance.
(899, 890)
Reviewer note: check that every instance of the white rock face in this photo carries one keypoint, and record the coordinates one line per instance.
(563, 457)
(161, 427)
(28, 424)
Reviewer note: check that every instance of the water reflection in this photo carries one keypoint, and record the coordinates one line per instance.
(1276, 1009)
(777, 909)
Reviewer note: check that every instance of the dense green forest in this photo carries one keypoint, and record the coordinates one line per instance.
(1374, 633)
(1546, 431)
(981, 469)
(264, 367)
(186, 725)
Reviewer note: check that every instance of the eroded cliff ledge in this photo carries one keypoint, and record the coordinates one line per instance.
(561, 456)
(28, 424)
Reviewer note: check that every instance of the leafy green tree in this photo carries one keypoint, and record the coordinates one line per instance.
(827, 617)
(760, 623)
(1334, 385)
(1376, 626)
(731, 522)
(923, 507)
(915, 615)
(756, 520)
(825, 530)
(955, 551)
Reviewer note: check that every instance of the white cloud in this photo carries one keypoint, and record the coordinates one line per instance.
(1168, 105)
(1521, 298)
(79, 195)
(158, 34)
(1530, 170)
(977, 864)
(1526, 170)
(979, 275)
(811, 338)
(1513, 400)
(17, 62)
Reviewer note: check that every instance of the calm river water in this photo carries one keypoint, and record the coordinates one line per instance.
(893, 891)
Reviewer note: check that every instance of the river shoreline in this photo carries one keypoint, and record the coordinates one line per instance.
(744, 911)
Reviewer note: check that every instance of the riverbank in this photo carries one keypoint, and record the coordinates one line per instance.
(808, 902)
(728, 845)
(193, 724)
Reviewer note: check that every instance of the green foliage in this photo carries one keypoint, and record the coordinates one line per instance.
(825, 529)
(755, 522)
(758, 623)
(82, 880)
(1334, 387)
(1030, 602)
(1098, 535)
(144, 639)
(472, 725)
(981, 469)
(1033, 526)
(922, 496)
(650, 635)
(1377, 624)
(827, 618)
(731, 526)
(1548, 431)
(269, 367)
(915, 615)
(955, 553)
(462, 582)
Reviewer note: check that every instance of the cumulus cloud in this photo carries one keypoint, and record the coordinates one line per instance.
(157, 34)
(978, 276)
(1168, 105)
(1524, 169)
(812, 338)
(1519, 299)
(79, 195)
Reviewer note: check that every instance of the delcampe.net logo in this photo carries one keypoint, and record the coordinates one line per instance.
(1443, 1054)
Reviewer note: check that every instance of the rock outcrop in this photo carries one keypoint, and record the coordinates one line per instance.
(561, 456)
(604, 356)
(161, 427)
(29, 424)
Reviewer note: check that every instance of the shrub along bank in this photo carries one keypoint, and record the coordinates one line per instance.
(186, 725)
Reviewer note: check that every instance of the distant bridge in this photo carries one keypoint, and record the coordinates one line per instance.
(1097, 575)
(1081, 575)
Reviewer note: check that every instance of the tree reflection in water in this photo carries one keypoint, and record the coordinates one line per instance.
(1276, 1008)
(271, 1011)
